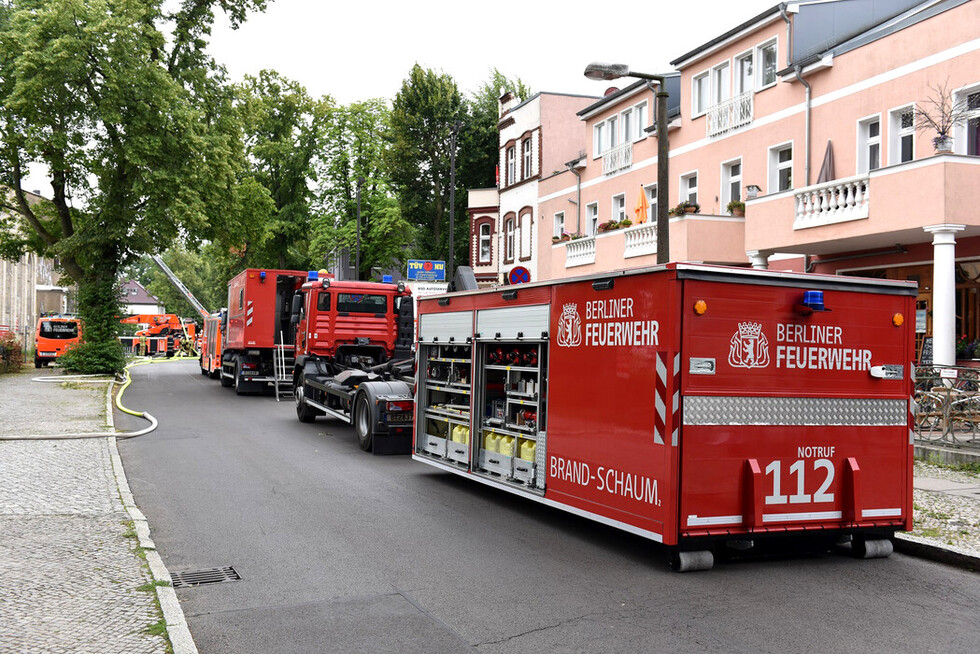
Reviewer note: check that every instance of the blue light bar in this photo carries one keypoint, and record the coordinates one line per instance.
(262, 275)
(386, 279)
(312, 276)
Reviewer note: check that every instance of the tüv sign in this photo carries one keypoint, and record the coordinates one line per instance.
(424, 270)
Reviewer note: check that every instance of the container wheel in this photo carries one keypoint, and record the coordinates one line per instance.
(238, 377)
(224, 380)
(681, 561)
(304, 411)
(363, 422)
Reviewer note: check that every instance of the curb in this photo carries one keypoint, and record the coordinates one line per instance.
(177, 630)
(919, 547)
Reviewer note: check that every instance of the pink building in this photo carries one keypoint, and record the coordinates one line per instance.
(807, 113)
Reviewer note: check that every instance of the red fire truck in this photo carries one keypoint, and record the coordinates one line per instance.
(257, 321)
(697, 406)
(354, 359)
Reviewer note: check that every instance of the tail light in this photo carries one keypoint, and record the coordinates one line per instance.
(249, 366)
(398, 407)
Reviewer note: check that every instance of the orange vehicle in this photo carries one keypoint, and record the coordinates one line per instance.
(175, 330)
(54, 336)
(210, 344)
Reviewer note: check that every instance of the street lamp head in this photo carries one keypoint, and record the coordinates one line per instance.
(601, 71)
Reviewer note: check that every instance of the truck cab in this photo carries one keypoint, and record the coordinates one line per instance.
(53, 336)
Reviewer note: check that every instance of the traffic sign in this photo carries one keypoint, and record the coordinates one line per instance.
(519, 275)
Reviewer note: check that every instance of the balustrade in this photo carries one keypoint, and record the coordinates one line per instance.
(832, 202)
(580, 252)
(617, 158)
(730, 114)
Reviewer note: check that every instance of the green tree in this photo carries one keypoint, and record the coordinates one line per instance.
(283, 136)
(354, 149)
(135, 131)
(423, 114)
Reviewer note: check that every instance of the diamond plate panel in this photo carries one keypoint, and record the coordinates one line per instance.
(702, 410)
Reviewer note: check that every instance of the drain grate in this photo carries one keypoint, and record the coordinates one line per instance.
(193, 578)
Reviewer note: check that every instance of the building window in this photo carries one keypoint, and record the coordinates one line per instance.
(640, 115)
(744, 76)
(485, 243)
(699, 94)
(721, 80)
(767, 60)
(592, 218)
(526, 156)
(869, 145)
(651, 192)
(627, 121)
(559, 224)
(901, 128)
(689, 187)
(509, 239)
(731, 182)
(511, 165)
(780, 168)
(598, 133)
(971, 128)
(613, 133)
(524, 234)
(619, 207)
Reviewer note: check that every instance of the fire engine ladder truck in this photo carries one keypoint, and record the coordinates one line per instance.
(179, 285)
(283, 358)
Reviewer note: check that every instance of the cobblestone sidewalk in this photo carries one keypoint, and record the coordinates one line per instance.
(70, 577)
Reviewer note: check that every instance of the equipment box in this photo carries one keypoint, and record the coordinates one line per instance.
(693, 405)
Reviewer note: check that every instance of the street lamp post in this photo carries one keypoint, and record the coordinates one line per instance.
(357, 259)
(454, 132)
(598, 71)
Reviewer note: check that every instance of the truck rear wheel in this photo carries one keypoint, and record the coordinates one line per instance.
(304, 411)
(364, 422)
(238, 377)
(225, 381)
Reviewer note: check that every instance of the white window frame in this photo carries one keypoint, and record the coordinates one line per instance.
(591, 218)
(618, 211)
(509, 229)
(695, 111)
(736, 72)
(653, 196)
(626, 124)
(526, 158)
(726, 181)
(525, 230)
(760, 85)
(718, 74)
(960, 132)
(612, 127)
(559, 224)
(774, 166)
(640, 111)
(511, 158)
(598, 147)
(896, 133)
(488, 238)
(686, 189)
(865, 141)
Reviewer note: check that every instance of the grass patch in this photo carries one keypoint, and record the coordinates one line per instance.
(130, 529)
(929, 532)
(146, 588)
(158, 628)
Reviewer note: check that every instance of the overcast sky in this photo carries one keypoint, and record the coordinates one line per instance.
(359, 50)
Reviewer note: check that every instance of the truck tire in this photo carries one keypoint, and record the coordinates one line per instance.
(364, 422)
(239, 390)
(37, 362)
(304, 411)
(221, 374)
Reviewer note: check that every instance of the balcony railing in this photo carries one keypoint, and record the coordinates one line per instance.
(580, 252)
(617, 158)
(832, 202)
(640, 240)
(730, 114)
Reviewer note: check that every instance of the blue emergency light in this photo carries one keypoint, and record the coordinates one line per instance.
(386, 279)
(813, 300)
(262, 276)
(312, 276)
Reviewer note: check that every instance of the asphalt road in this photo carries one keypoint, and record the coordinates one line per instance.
(342, 551)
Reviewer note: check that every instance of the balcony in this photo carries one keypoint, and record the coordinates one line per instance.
(730, 114)
(641, 240)
(865, 212)
(833, 202)
(580, 252)
(617, 158)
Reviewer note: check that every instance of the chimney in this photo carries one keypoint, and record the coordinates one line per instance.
(507, 102)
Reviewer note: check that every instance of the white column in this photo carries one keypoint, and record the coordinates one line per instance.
(759, 260)
(944, 293)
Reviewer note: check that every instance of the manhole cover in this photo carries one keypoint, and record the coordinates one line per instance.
(193, 578)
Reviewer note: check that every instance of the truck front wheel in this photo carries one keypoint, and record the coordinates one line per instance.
(304, 411)
(225, 381)
(363, 422)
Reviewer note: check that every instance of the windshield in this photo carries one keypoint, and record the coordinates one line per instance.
(360, 303)
(58, 329)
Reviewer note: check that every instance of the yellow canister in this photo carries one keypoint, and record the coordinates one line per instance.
(506, 445)
(528, 450)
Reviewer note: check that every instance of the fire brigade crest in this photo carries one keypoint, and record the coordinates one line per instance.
(749, 347)
(569, 326)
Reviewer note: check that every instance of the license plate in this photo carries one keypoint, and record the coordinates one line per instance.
(249, 373)
(399, 417)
